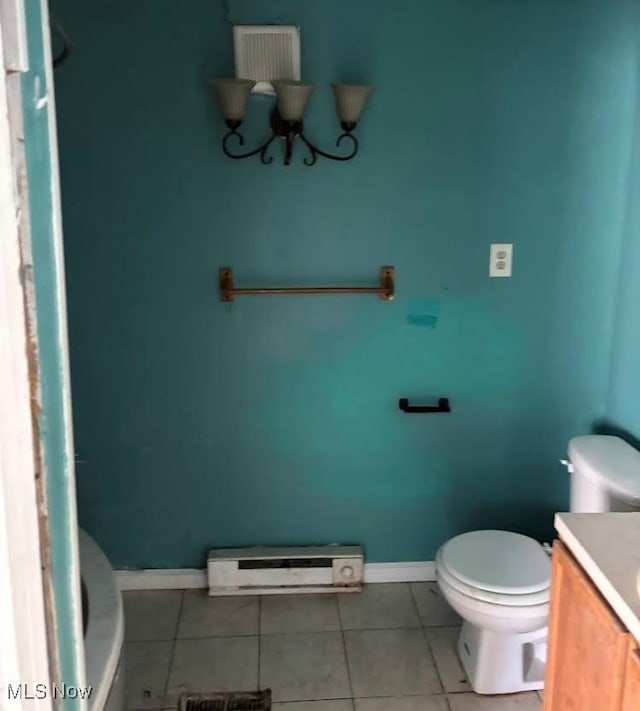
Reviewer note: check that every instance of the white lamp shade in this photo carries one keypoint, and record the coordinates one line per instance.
(350, 100)
(292, 97)
(232, 95)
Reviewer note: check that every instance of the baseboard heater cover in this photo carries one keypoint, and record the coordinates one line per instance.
(269, 570)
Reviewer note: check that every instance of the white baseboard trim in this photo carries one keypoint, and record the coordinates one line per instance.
(194, 578)
(407, 572)
(162, 579)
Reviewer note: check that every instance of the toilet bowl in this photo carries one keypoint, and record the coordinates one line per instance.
(499, 583)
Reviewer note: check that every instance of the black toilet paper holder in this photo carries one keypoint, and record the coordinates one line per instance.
(442, 406)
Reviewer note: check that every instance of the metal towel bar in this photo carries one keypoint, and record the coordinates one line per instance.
(385, 289)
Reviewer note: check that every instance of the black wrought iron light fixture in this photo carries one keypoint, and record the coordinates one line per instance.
(287, 117)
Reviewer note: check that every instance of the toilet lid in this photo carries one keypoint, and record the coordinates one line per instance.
(498, 561)
(509, 600)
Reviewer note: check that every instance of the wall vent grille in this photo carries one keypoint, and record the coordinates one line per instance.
(266, 52)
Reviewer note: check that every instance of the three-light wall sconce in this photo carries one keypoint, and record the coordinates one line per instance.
(287, 117)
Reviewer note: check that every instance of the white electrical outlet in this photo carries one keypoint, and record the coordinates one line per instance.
(500, 259)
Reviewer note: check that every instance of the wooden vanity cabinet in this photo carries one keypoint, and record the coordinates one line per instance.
(631, 687)
(592, 662)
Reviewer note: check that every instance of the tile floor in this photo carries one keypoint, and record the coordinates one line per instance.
(389, 648)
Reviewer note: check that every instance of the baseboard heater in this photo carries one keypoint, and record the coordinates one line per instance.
(265, 570)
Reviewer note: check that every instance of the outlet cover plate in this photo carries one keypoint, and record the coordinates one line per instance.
(500, 260)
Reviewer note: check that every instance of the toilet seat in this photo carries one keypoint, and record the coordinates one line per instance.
(499, 567)
(508, 600)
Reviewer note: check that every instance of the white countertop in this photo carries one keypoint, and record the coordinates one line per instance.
(607, 546)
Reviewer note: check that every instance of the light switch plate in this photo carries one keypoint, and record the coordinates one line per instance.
(500, 260)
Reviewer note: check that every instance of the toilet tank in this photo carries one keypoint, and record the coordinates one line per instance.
(605, 474)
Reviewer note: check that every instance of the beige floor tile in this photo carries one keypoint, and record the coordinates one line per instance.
(301, 667)
(380, 606)
(282, 614)
(527, 701)
(204, 616)
(443, 642)
(433, 609)
(214, 664)
(390, 663)
(332, 705)
(146, 671)
(151, 614)
(403, 703)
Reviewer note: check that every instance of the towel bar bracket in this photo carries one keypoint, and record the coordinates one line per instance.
(226, 284)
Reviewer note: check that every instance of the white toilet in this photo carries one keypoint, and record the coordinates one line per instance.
(499, 582)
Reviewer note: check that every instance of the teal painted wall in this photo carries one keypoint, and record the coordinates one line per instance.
(623, 407)
(274, 420)
(51, 335)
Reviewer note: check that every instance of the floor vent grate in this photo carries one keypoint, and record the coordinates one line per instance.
(227, 701)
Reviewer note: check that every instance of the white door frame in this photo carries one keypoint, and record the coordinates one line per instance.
(23, 652)
(28, 652)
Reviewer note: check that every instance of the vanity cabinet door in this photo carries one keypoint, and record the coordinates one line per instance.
(587, 644)
(631, 690)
